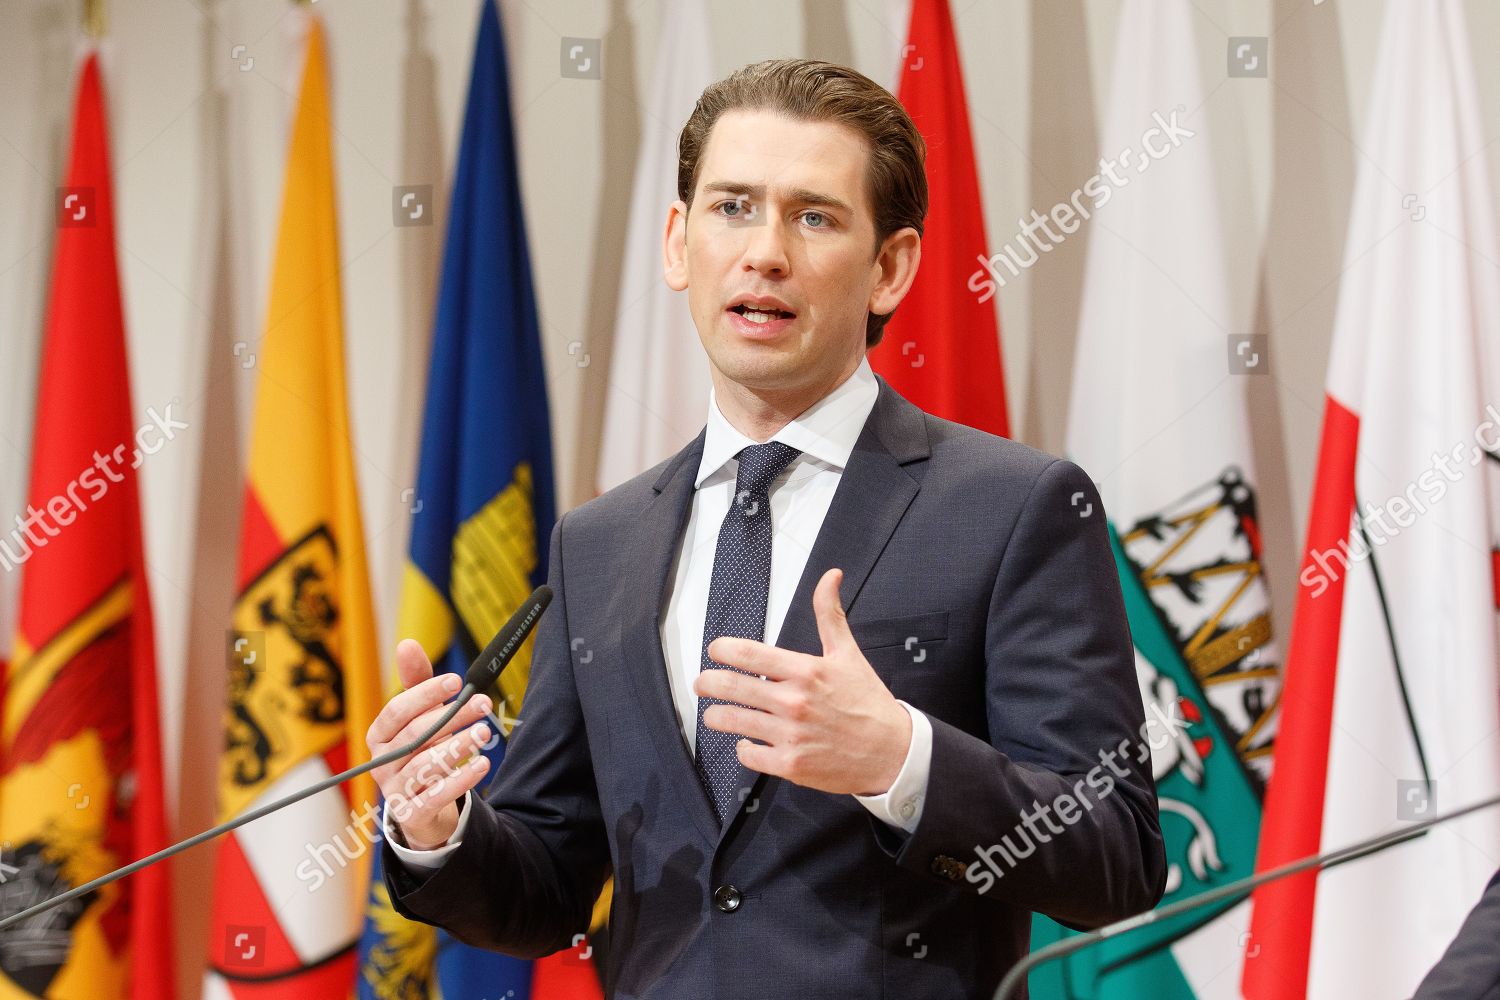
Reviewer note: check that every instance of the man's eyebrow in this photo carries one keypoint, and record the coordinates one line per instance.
(797, 195)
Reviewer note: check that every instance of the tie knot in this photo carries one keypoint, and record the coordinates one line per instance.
(760, 464)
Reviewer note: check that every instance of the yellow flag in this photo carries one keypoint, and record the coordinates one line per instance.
(304, 681)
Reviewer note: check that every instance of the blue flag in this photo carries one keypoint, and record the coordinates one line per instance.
(483, 510)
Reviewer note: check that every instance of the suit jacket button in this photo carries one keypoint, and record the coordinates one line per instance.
(727, 898)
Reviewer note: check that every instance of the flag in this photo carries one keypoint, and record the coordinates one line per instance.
(658, 377)
(304, 682)
(483, 511)
(1159, 417)
(1391, 713)
(81, 789)
(941, 349)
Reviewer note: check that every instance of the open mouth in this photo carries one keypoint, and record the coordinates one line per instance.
(757, 315)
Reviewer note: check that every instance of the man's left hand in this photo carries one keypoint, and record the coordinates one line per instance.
(827, 722)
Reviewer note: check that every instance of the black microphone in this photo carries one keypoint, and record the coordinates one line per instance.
(483, 673)
(486, 669)
(1332, 859)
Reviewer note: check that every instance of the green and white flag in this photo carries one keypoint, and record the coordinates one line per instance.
(1158, 418)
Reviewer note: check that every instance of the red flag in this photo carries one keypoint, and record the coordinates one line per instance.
(81, 788)
(566, 974)
(941, 349)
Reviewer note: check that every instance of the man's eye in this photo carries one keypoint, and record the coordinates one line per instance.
(820, 218)
(726, 205)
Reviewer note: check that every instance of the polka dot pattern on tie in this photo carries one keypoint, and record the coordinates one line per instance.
(737, 597)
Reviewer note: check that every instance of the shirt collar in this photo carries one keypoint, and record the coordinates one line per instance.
(826, 431)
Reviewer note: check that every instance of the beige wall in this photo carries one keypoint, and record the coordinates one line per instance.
(198, 147)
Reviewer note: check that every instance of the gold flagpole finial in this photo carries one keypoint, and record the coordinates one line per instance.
(95, 18)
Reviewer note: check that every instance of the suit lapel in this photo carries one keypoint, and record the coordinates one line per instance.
(872, 496)
(644, 581)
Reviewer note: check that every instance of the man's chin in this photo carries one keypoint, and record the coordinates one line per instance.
(761, 366)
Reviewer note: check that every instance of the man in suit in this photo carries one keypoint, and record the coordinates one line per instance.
(840, 693)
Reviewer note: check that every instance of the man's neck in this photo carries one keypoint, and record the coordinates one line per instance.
(760, 413)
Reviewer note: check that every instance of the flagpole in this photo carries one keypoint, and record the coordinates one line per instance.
(95, 18)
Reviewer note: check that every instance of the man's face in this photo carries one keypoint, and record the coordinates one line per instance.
(781, 220)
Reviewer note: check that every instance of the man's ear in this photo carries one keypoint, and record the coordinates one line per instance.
(896, 265)
(674, 247)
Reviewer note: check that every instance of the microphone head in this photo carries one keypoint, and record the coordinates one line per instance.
(485, 670)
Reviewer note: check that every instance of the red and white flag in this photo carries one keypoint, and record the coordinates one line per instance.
(1390, 711)
(941, 349)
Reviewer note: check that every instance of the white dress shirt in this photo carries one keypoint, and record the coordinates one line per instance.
(825, 434)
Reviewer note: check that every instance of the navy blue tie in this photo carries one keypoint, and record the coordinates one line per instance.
(737, 598)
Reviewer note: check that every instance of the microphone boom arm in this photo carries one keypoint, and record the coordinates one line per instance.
(483, 673)
(1067, 946)
(247, 817)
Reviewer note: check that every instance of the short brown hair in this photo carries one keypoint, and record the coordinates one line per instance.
(816, 91)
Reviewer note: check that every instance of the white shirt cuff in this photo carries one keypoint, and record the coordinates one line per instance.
(901, 804)
(426, 861)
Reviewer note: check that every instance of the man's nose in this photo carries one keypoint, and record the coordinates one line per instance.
(765, 247)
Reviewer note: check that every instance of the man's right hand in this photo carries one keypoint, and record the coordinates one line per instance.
(422, 789)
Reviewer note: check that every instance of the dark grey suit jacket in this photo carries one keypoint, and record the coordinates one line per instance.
(1470, 968)
(980, 584)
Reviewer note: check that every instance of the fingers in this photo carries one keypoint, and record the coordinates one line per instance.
(423, 770)
(437, 777)
(389, 777)
(421, 790)
(732, 651)
(407, 705)
(412, 665)
(746, 722)
(759, 758)
(833, 626)
(758, 658)
(423, 811)
(742, 689)
(475, 709)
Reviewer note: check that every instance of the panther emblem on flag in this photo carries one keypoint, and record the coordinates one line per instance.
(286, 679)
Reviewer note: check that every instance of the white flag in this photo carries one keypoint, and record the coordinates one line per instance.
(658, 380)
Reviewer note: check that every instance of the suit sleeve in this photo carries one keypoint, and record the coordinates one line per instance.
(1055, 812)
(534, 854)
(1470, 968)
